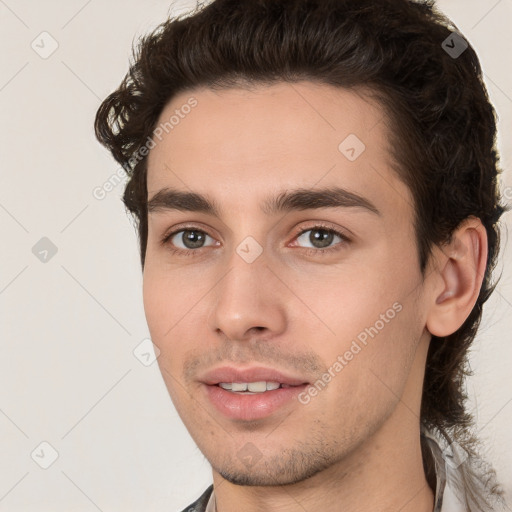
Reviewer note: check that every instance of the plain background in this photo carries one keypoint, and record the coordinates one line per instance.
(69, 326)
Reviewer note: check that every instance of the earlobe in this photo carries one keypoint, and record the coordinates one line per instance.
(458, 278)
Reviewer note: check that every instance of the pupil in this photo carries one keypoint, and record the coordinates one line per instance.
(193, 239)
(321, 236)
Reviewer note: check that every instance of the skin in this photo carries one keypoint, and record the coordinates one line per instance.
(357, 441)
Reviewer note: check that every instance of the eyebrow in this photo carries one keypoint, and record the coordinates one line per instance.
(286, 201)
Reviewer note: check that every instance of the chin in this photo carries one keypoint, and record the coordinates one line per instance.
(275, 472)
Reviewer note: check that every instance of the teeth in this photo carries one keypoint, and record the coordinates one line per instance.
(257, 387)
(253, 387)
(239, 386)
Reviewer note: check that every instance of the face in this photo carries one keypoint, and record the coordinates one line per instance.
(263, 280)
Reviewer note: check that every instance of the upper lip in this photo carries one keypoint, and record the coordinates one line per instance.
(251, 374)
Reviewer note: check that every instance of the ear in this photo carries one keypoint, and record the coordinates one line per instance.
(458, 277)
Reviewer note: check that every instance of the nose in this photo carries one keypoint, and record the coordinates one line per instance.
(249, 301)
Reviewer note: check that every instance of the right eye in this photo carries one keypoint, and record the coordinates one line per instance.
(186, 240)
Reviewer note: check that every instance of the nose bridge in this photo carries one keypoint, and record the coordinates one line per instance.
(247, 297)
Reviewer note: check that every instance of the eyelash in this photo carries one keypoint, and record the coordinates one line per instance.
(308, 251)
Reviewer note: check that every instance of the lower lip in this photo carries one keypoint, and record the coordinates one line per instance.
(247, 407)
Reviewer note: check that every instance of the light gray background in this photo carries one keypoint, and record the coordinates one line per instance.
(69, 326)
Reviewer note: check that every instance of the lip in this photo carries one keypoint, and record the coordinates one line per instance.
(250, 407)
(252, 374)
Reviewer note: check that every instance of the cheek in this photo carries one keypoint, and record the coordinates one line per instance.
(154, 300)
(370, 315)
(349, 300)
(165, 311)
(163, 299)
(367, 367)
(174, 304)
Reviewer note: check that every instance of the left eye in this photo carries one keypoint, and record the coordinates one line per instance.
(320, 237)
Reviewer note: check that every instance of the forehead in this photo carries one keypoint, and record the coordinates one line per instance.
(272, 137)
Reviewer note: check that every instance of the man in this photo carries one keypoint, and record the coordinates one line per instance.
(318, 210)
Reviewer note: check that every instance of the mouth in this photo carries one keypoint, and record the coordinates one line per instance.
(253, 388)
(252, 393)
(252, 379)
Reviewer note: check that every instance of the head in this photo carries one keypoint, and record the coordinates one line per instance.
(245, 100)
